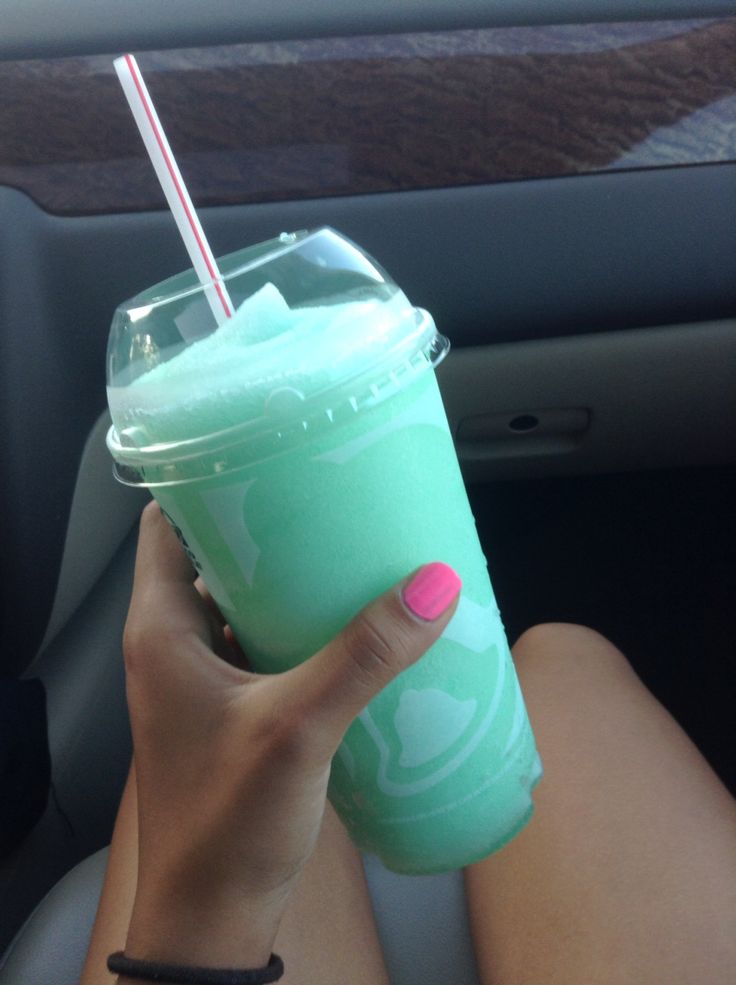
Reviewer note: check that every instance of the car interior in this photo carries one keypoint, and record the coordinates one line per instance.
(554, 180)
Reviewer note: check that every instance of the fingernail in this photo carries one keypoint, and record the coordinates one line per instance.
(432, 591)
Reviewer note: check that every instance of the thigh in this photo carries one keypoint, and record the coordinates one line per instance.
(627, 872)
(329, 933)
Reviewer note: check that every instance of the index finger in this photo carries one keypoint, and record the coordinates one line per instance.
(160, 556)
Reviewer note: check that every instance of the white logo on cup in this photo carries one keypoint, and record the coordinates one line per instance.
(408, 788)
(474, 626)
(226, 508)
(428, 722)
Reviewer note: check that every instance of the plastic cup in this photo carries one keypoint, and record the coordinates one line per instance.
(302, 453)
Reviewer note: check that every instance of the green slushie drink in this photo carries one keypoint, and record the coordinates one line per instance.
(302, 453)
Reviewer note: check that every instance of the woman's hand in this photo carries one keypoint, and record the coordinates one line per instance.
(232, 767)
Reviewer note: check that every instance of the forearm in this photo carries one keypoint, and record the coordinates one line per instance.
(165, 931)
(118, 891)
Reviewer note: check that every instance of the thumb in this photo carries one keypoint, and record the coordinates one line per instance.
(384, 639)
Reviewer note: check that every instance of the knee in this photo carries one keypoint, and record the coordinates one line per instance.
(567, 650)
(562, 636)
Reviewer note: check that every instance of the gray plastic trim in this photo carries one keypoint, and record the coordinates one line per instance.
(618, 401)
(34, 29)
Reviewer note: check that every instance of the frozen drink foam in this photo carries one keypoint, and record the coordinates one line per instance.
(237, 373)
(302, 452)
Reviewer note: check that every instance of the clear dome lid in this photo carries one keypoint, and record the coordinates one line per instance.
(317, 324)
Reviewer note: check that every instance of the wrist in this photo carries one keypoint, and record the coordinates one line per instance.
(232, 933)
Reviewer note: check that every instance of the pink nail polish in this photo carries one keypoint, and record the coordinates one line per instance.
(432, 591)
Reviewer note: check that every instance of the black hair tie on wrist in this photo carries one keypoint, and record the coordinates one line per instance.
(175, 974)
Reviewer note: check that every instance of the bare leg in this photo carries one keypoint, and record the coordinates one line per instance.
(328, 934)
(627, 873)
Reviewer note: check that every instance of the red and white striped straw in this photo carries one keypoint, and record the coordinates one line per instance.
(172, 183)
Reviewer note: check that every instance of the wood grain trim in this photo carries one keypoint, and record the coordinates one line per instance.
(339, 116)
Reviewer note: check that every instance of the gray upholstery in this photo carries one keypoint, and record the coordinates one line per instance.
(421, 922)
(50, 947)
(423, 926)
